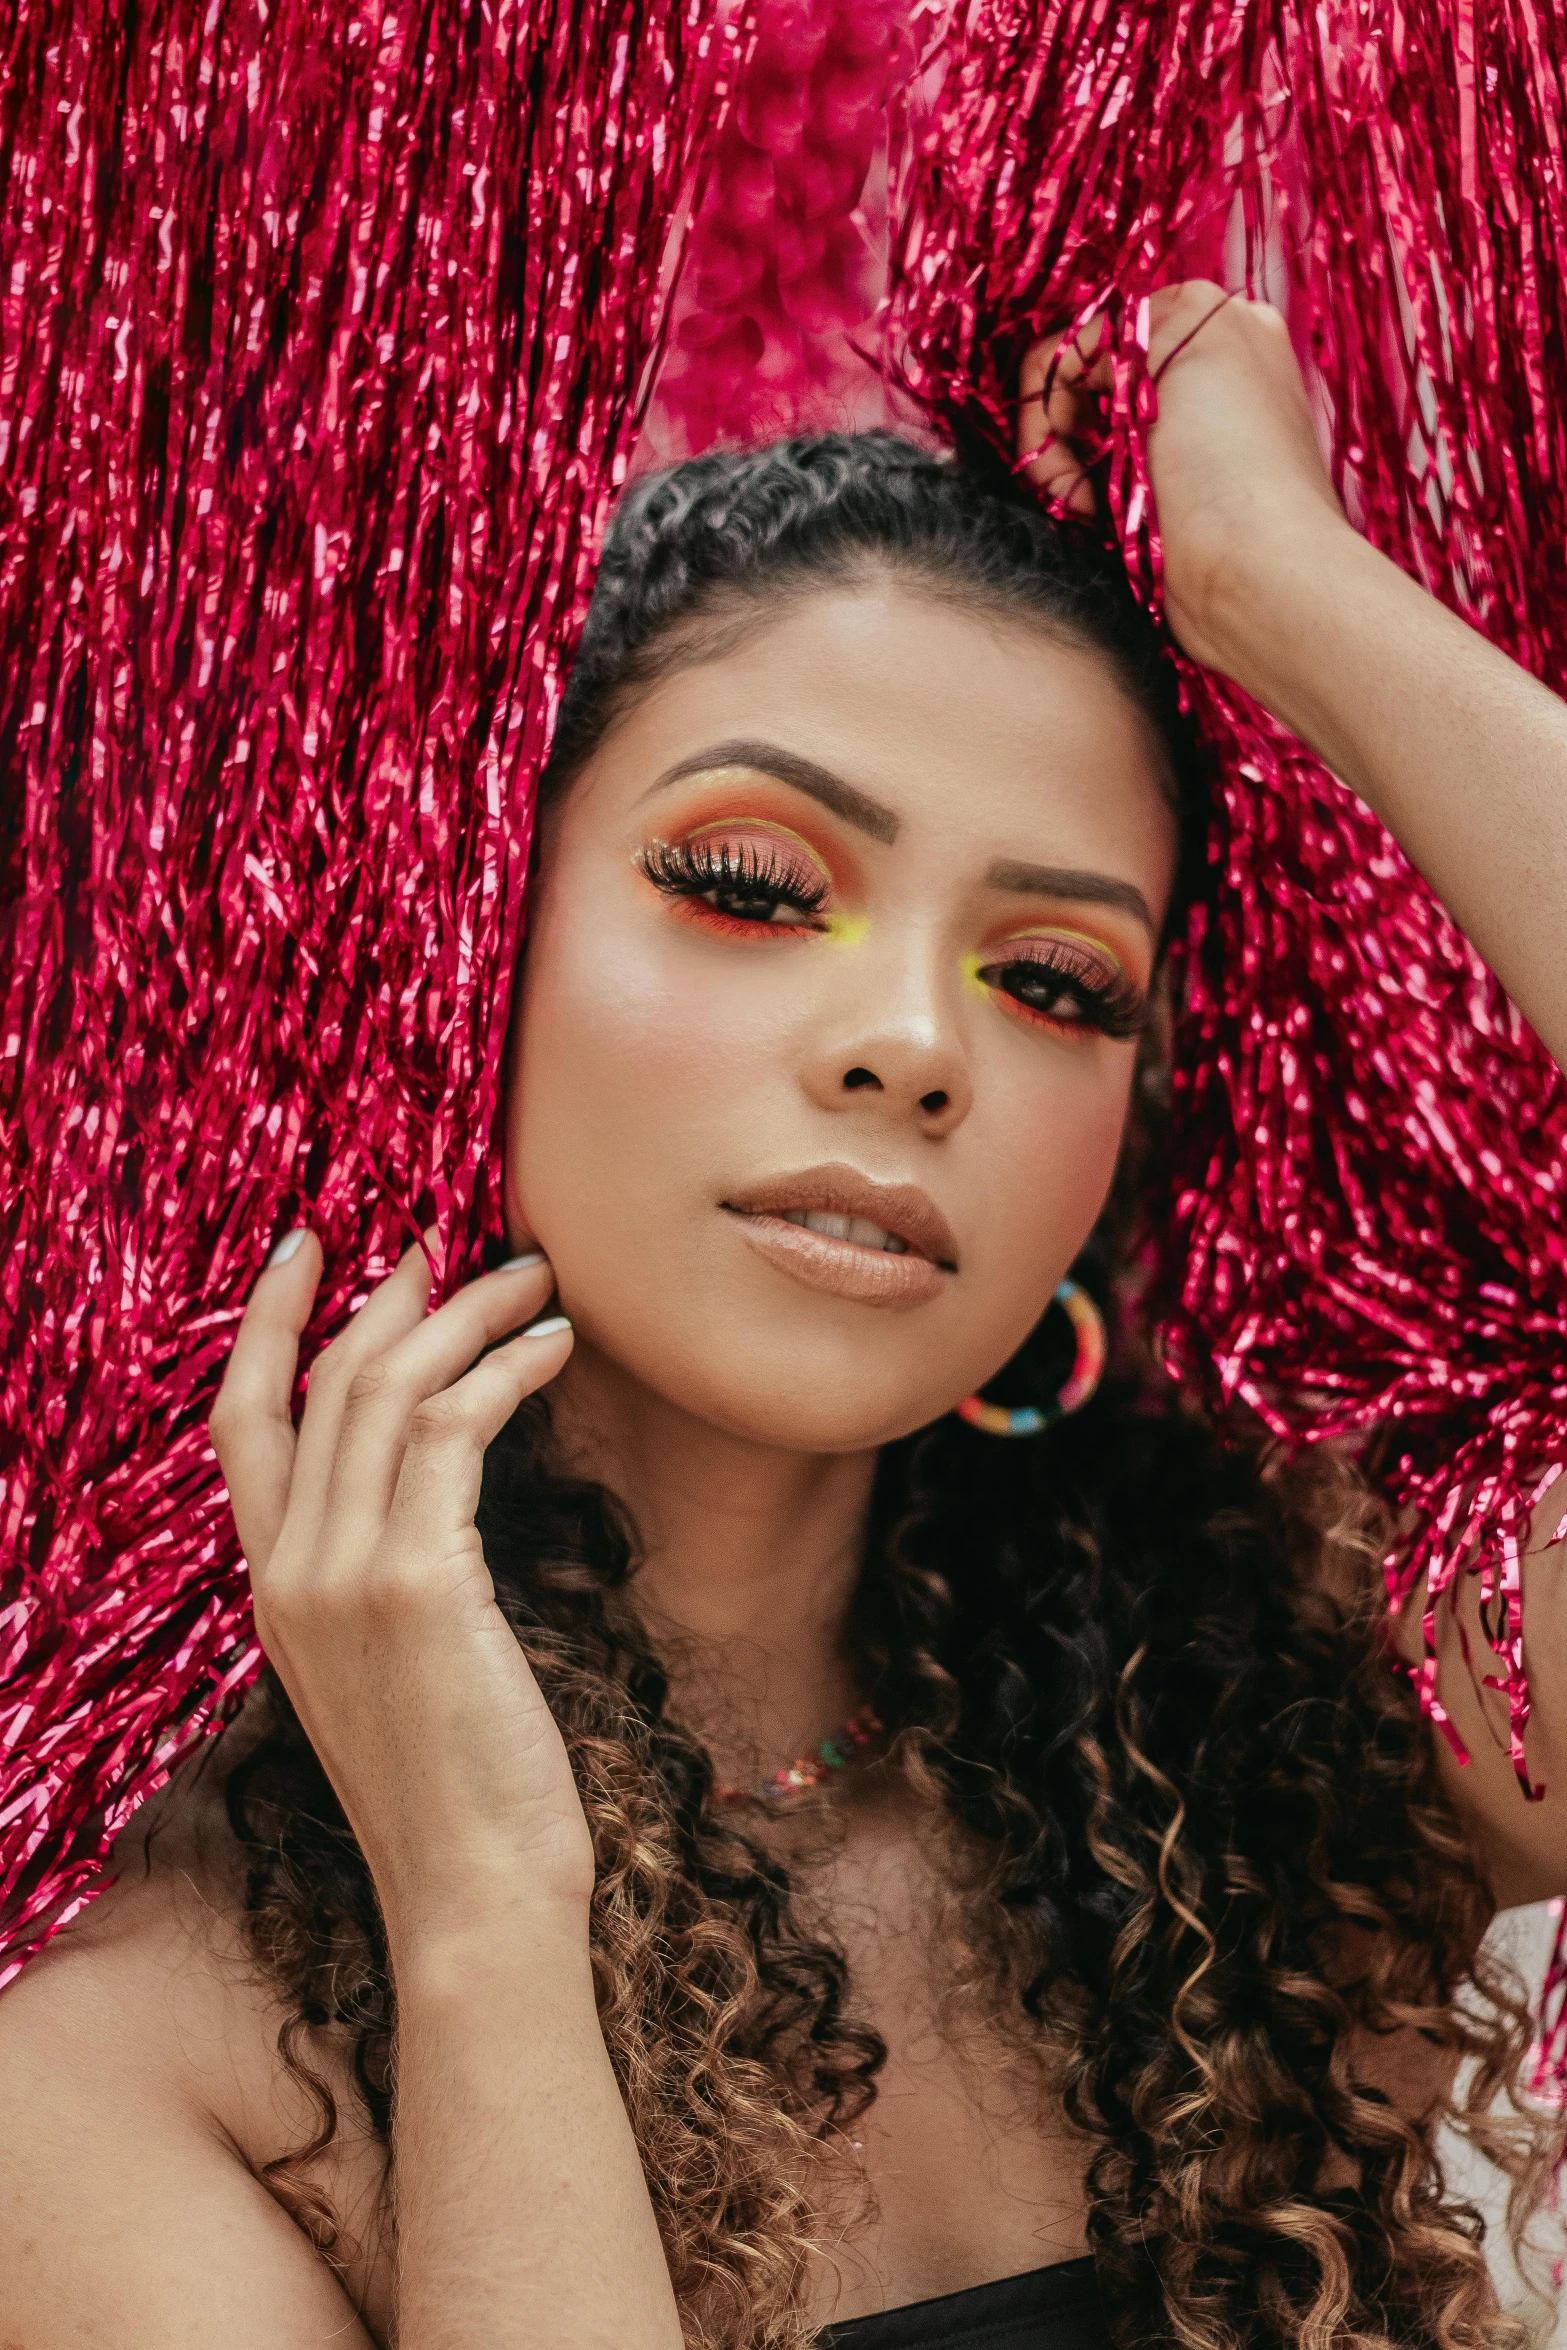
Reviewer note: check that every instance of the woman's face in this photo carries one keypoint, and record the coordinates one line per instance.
(853, 921)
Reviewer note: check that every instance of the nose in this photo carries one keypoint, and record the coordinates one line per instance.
(897, 1055)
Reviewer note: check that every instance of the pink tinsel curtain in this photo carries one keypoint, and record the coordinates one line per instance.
(321, 339)
(311, 409)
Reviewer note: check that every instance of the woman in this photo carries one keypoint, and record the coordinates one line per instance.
(1113, 1982)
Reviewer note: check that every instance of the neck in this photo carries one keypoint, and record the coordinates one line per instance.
(750, 1558)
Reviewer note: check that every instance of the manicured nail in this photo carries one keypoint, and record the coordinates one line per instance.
(535, 1256)
(290, 1245)
(547, 1329)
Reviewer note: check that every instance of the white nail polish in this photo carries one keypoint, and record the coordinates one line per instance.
(289, 1246)
(535, 1256)
(547, 1329)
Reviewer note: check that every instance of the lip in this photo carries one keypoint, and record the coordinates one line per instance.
(843, 1267)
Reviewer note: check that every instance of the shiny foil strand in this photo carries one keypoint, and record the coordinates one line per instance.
(320, 341)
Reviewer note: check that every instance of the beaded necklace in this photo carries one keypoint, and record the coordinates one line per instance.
(812, 1770)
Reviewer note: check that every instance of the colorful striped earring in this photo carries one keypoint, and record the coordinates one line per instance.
(994, 1419)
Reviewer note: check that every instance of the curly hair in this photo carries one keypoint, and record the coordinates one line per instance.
(1136, 1673)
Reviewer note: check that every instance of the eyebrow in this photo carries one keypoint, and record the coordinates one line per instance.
(1058, 881)
(818, 783)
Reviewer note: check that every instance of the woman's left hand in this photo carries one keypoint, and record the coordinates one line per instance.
(1237, 474)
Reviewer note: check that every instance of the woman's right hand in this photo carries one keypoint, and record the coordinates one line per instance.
(372, 1596)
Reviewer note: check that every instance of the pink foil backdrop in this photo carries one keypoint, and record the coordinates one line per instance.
(320, 338)
(309, 418)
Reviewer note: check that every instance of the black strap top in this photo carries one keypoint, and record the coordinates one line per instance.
(1055, 2308)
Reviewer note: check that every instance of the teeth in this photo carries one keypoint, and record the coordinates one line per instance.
(859, 1229)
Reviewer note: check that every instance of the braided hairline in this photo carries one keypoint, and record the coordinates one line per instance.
(735, 534)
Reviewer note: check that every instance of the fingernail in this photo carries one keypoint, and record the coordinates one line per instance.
(547, 1329)
(290, 1245)
(535, 1256)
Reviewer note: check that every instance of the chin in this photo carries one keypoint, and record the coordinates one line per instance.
(790, 1399)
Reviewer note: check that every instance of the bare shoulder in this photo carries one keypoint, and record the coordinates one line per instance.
(142, 2096)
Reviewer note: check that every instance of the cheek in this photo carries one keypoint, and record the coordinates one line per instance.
(1049, 1143)
(1069, 1134)
(633, 1063)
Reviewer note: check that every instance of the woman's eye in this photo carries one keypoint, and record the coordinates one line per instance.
(742, 904)
(745, 882)
(1072, 992)
(1044, 990)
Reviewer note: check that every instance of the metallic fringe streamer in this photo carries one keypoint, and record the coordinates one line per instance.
(321, 336)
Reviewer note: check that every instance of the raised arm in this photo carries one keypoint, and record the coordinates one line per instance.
(1461, 753)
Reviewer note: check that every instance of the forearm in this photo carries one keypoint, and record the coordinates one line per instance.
(522, 2212)
(1461, 753)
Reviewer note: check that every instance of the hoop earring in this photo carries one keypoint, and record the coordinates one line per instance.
(994, 1419)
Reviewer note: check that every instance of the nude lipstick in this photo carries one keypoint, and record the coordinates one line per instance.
(880, 1244)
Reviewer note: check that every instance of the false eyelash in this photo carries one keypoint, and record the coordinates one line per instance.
(689, 869)
(1115, 1010)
